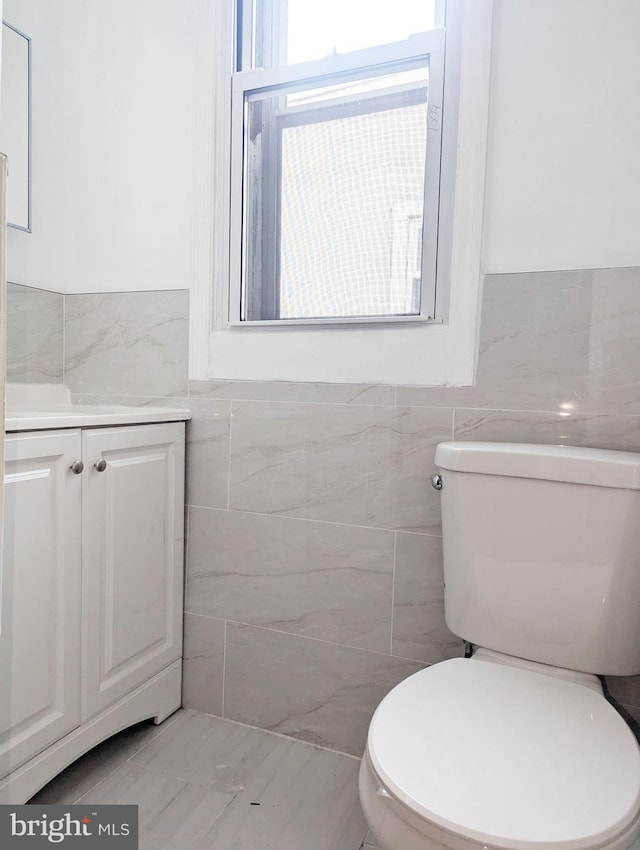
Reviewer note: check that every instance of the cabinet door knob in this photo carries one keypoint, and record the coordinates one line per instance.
(101, 465)
(76, 467)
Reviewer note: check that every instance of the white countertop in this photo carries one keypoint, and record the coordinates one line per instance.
(82, 416)
(36, 407)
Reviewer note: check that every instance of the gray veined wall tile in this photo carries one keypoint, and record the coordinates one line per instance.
(181, 402)
(599, 431)
(614, 355)
(133, 343)
(534, 339)
(534, 345)
(292, 391)
(208, 453)
(414, 504)
(340, 463)
(419, 628)
(203, 663)
(34, 335)
(322, 580)
(553, 341)
(320, 692)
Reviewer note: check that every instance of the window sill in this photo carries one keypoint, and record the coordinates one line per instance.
(335, 322)
(383, 353)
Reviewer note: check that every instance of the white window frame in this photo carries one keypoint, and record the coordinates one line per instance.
(428, 48)
(419, 354)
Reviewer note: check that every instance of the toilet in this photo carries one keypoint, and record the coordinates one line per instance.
(517, 747)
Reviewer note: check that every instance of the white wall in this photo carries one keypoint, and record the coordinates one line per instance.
(129, 72)
(564, 163)
(118, 211)
(114, 118)
(38, 258)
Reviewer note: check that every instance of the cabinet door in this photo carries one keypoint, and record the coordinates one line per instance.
(133, 519)
(40, 594)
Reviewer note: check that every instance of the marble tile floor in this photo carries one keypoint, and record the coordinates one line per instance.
(203, 783)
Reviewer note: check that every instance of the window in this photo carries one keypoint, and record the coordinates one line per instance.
(404, 349)
(336, 156)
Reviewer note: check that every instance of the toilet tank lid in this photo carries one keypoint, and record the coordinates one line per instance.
(572, 464)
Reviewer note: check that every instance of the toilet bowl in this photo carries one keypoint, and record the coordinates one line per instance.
(477, 754)
(517, 748)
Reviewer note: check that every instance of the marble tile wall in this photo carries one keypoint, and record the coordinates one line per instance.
(110, 342)
(314, 560)
(35, 320)
(127, 342)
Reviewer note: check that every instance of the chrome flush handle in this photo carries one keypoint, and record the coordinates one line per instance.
(436, 481)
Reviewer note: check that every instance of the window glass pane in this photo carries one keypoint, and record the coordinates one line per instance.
(334, 202)
(352, 89)
(315, 30)
(291, 31)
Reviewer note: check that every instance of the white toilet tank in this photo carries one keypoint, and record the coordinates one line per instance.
(542, 552)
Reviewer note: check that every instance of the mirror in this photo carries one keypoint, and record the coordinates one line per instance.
(15, 124)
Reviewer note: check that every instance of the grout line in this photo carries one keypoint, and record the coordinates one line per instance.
(228, 622)
(453, 424)
(160, 729)
(206, 617)
(393, 590)
(45, 289)
(187, 526)
(321, 521)
(283, 736)
(229, 464)
(78, 800)
(560, 271)
(127, 291)
(317, 403)
(224, 665)
(162, 398)
(564, 414)
(568, 415)
(64, 339)
(580, 412)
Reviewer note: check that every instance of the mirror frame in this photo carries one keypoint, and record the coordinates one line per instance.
(27, 228)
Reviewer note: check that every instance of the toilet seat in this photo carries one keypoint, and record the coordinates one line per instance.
(507, 757)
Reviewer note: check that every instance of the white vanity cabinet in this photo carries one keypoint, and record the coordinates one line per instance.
(40, 591)
(132, 545)
(91, 590)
